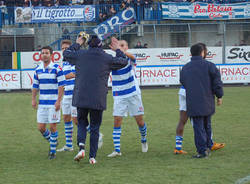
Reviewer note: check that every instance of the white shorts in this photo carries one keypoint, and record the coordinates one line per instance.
(67, 108)
(132, 104)
(182, 103)
(48, 115)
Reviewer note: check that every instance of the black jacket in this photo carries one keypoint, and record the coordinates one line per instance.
(93, 67)
(202, 81)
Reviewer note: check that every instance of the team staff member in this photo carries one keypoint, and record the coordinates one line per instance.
(93, 67)
(202, 82)
(183, 118)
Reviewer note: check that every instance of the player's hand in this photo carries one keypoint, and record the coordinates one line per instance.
(114, 44)
(80, 40)
(57, 105)
(34, 104)
(219, 101)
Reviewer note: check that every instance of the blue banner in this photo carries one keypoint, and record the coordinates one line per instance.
(115, 24)
(54, 14)
(205, 11)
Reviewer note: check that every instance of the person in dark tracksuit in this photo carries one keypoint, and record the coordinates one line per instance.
(93, 67)
(202, 82)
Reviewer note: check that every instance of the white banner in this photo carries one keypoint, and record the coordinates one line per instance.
(235, 74)
(10, 80)
(32, 59)
(27, 78)
(238, 54)
(151, 76)
(170, 56)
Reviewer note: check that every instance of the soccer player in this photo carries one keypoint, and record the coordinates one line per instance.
(127, 98)
(183, 118)
(69, 111)
(49, 81)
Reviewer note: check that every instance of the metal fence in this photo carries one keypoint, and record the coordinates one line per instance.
(171, 35)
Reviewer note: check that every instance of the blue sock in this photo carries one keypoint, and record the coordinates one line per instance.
(178, 142)
(143, 131)
(53, 141)
(68, 133)
(117, 131)
(46, 134)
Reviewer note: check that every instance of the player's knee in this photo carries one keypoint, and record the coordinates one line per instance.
(66, 118)
(41, 129)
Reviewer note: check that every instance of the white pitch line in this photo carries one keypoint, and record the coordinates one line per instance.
(243, 180)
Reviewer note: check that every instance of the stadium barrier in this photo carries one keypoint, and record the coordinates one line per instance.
(155, 67)
(146, 75)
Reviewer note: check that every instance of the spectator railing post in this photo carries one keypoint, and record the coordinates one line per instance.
(97, 12)
(1, 20)
(138, 14)
(159, 12)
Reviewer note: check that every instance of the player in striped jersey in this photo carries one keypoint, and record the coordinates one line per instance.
(184, 117)
(69, 111)
(49, 81)
(127, 98)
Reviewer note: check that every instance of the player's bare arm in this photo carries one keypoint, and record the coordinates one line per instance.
(34, 102)
(130, 56)
(59, 99)
(70, 75)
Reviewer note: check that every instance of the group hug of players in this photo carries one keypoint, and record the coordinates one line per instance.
(56, 87)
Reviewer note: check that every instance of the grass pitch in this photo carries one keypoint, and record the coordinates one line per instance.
(23, 151)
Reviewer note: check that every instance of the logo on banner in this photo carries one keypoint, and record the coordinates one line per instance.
(56, 56)
(170, 56)
(89, 13)
(115, 23)
(239, 53)
(173, 11)
(210, 55)
(213, 10)
(141, 57)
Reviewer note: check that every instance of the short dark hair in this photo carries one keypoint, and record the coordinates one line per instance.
(196, 49)
(66, 42)
(204, 47)
(49, 48)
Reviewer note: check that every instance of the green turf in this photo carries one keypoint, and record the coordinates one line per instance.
(23, 151)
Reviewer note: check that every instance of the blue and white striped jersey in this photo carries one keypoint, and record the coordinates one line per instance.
(124, 82)
(69, 83)
(47, 80)
(182, 91)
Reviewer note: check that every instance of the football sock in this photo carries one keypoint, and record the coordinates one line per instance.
(68, 133)
(117, 138)
(143, 131)
(178, 142)
(53, 141)
(46, 134)
(81, 146)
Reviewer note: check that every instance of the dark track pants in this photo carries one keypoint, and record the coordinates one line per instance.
(202, 133)
(95, 123)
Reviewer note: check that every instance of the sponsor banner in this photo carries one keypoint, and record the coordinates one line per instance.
(235, 74)
(115, 24)
(238, 54)
(54, 14)
(32, 59)
(10, 80)
(27, 79)
(205, 11)
(170, 56)
(151, 76)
